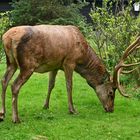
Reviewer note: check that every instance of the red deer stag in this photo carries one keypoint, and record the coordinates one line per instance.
(48, 48)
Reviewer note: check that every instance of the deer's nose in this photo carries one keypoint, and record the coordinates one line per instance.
(107, 109)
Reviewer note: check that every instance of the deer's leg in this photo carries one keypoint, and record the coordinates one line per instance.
(68, 69)
(4, 82)
(52, 76)
(19, 81)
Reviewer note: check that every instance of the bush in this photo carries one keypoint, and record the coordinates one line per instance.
(61, 12)
(5, 23)
(34, 12)
(114, 32)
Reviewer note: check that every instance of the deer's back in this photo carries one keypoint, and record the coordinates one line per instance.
(44, 47)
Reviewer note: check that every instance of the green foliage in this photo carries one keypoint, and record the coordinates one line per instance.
(5, 23)
(65, 2)
(45, 12)
(63, 12)
(114, 32)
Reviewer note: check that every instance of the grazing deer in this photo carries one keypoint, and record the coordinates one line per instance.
(48, 48)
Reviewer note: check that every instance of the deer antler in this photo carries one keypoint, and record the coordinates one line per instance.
(119, 67)
(129, 71)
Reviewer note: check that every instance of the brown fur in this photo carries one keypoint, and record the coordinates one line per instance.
(45, 48)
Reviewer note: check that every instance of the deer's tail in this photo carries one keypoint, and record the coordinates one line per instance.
(9, 50)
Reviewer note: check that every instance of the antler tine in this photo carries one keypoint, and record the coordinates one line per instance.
(129, 65)
(117, 83)
(120, 89)
(135, 45)
(130, 71)
(119, 67)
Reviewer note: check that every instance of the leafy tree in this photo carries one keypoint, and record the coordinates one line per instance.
(45, 11)
(5, 23)
(113, 33)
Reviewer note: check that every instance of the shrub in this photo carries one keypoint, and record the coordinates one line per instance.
(34, 12)
(64, 12)
(113, 33)
(5, 23)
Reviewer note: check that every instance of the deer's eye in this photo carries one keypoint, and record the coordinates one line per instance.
(110, 93)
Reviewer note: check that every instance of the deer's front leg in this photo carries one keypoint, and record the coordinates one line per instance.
(68, 69)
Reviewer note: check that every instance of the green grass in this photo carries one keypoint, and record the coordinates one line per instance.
(91, 123)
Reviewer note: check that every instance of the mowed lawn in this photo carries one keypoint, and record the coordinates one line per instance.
(91, 122)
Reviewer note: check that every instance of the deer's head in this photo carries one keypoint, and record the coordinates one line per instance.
(106, 91)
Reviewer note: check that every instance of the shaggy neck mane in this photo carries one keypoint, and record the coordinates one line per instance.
(92, 69)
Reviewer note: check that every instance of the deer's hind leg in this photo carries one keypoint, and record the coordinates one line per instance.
(11, 68)
(23, 76)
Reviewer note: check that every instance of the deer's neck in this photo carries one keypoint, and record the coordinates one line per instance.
(92, 69)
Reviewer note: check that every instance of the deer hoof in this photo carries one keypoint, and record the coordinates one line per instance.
(73, 112)
(46, 106)
(16, 120)
(1, 117)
